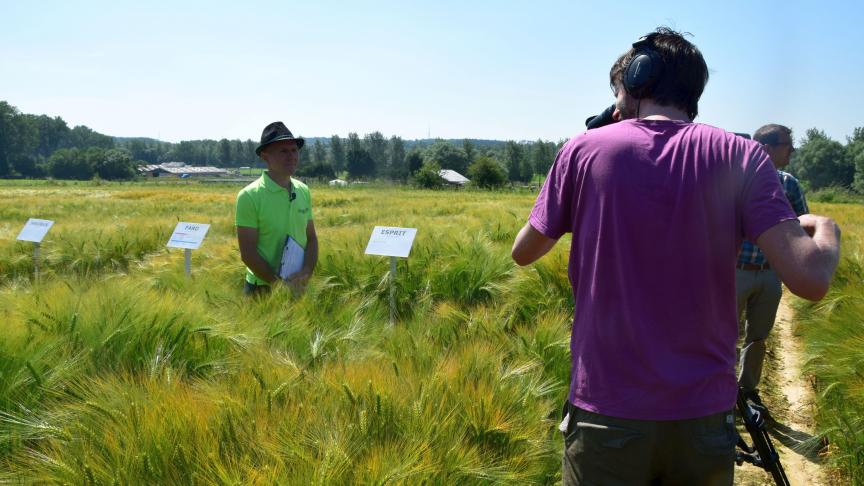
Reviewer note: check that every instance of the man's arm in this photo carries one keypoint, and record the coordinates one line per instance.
(530, 245)
(806, 265)
(310, 256)
(247, 239)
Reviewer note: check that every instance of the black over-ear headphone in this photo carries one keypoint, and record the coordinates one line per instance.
(643, 70)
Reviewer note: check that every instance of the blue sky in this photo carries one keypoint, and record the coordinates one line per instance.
(500, 70)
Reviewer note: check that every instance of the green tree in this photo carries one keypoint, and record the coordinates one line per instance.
(542, 156)
(251, 157)
(855, 156)
(185, 151)
(397, 168)
(28, 166)
(354, 143)
(238, 154)
(115, 164)
(487, 173)
(428, 176)
(8, 132)
(52, 134)
(137, 148)
(337, 154)
(822, 162)
(360, 164)
(514, 159)
(18, 137)
(83, 137)
(470, 151)
(447, 156)
(70, 163)
(319, 153)
(319, 170)
(376, 145)
(225, 159)
(414, 161)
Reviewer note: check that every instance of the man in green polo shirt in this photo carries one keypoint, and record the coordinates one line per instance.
(273, 208)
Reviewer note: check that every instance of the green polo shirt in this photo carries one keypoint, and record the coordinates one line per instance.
(267, 206)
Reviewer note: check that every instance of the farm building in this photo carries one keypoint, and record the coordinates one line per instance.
(453, 178)
(180, 169)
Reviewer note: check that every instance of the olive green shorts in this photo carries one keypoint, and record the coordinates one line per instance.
(605, 450)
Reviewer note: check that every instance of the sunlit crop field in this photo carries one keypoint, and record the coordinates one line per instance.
(833, 332)
(117, 368)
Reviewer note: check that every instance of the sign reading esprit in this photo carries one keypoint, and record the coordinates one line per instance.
(391, 241)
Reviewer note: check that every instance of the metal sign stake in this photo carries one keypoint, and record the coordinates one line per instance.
(188, 236)
(36, 246)
(393, 242)
(34, 231)
(392, 290)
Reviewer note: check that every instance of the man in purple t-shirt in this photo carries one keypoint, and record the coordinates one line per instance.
(658, 206)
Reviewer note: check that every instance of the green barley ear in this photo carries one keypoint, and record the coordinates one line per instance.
(349, 394)
(36, 376)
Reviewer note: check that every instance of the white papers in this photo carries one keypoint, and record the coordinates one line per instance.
(188, 235)
(391, 241)
(292, 259)
(35, 230)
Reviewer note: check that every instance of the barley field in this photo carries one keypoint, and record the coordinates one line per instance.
(833, 333)
(116, 368)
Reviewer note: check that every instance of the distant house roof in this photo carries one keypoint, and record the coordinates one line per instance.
(192, 170)
(453, 177)
(180, 168)
(148, 168)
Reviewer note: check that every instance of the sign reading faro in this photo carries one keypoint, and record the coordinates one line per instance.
(188, 235)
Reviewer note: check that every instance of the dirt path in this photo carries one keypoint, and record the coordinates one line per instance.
(791, 403)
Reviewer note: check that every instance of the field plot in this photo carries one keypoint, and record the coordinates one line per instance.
(833, 336)
(117, 368)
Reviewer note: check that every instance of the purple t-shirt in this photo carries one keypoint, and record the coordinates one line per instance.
(658, 210)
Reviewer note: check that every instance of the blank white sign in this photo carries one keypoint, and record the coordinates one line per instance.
(391, 241)
(35, 230)
(188, 235)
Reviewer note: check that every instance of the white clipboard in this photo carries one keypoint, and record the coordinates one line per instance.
(292, 259)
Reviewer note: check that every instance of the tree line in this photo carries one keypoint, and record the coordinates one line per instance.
(40, 146)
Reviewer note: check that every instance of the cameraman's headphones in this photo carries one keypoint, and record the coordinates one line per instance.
(644, 68)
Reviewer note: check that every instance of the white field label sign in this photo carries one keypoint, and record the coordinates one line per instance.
(35, 230)
(391, 241)
(188, 235)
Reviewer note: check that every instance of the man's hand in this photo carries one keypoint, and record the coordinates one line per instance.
(804, 263)
(297, 282)
(810, 223)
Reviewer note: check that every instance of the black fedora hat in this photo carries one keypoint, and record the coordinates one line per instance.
(276, 132)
